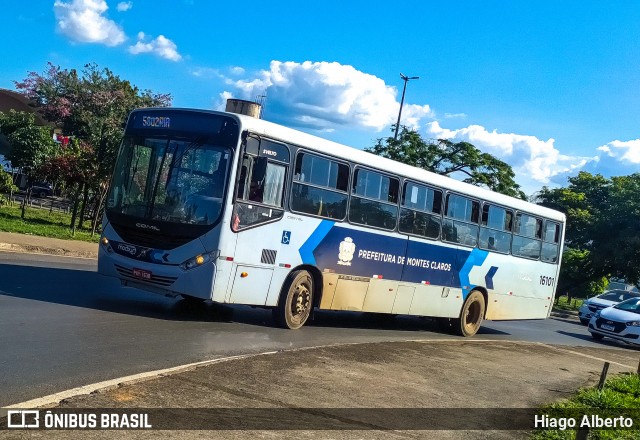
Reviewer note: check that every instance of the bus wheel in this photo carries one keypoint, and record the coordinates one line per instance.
(296, 300)
(471, 315)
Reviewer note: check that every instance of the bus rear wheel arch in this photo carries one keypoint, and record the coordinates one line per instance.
(471, 315)
(296, 300)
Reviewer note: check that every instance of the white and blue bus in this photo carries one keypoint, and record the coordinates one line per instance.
(237, 210)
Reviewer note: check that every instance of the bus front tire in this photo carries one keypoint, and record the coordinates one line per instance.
(296, 300)
(471, 315)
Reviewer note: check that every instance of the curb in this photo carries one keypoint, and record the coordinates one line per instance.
(60, 252)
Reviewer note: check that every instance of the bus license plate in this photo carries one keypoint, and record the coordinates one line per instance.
(141, 273)
(607, 327)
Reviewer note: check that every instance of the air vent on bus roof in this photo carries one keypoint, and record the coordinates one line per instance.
(243, 107)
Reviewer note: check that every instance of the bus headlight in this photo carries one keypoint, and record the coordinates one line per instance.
(105, 243)
(199, 260)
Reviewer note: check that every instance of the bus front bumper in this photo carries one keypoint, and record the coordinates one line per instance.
(165, 279)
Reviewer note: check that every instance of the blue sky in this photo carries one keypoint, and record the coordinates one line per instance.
(549, 87)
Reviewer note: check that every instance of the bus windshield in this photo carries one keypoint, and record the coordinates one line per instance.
(170, 180)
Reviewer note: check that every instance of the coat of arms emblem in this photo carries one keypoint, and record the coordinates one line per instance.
(347, 249)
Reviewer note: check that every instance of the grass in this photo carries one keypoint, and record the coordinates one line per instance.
(563, 304)
(42, 222)
(619, 396)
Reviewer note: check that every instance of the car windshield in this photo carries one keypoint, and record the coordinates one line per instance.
(172, 180)
(618, 295)
(630, 305)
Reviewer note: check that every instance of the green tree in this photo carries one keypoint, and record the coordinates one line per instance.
(6, 185)
(91, 106)
(31, 144)
(603, 229)
(450, 159)
(12, 120)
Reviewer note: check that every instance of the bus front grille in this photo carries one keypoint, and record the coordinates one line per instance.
(157, 280)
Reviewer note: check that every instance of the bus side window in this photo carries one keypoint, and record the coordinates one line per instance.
(374, 199)
(527, 236)
(320, 186)
(260, 192)
(461, 220)
(420, 211)
(242, 182)
(495, 230)
(550, 242)
(258, 174)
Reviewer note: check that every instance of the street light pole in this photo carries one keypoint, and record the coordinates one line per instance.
(406, 79)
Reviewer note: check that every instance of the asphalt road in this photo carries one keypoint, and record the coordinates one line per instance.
(62, 326)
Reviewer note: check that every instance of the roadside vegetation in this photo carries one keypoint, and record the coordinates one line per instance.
(87, 111)
(619, 394)
(567, 303)
(42, 222)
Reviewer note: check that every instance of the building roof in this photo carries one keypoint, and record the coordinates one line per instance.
(10, 100)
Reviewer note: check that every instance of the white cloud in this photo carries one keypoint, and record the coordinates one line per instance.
(323, 95)
(124, 6)
(237, 70)
(623, 151)
(206, 72)
(84, 21)
(455, 115)
(221, 104)
(328, 97)
(161, 46)
(533, 160)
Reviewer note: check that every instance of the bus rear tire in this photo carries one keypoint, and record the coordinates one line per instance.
(471, 315)
(296, 300)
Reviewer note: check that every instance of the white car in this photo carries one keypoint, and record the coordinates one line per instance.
(607, 299)
(621, 322)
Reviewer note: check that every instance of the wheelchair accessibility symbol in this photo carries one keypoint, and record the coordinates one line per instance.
(286, 237)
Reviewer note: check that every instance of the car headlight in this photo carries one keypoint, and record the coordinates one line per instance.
(633, 324)
(199, 260)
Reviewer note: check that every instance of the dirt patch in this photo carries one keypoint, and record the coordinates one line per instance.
(26, 248)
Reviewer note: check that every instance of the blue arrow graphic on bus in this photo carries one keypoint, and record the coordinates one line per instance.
(307, 248)
(476, 258)
(488, 279)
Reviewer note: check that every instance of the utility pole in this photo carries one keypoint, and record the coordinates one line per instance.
(406, 79)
